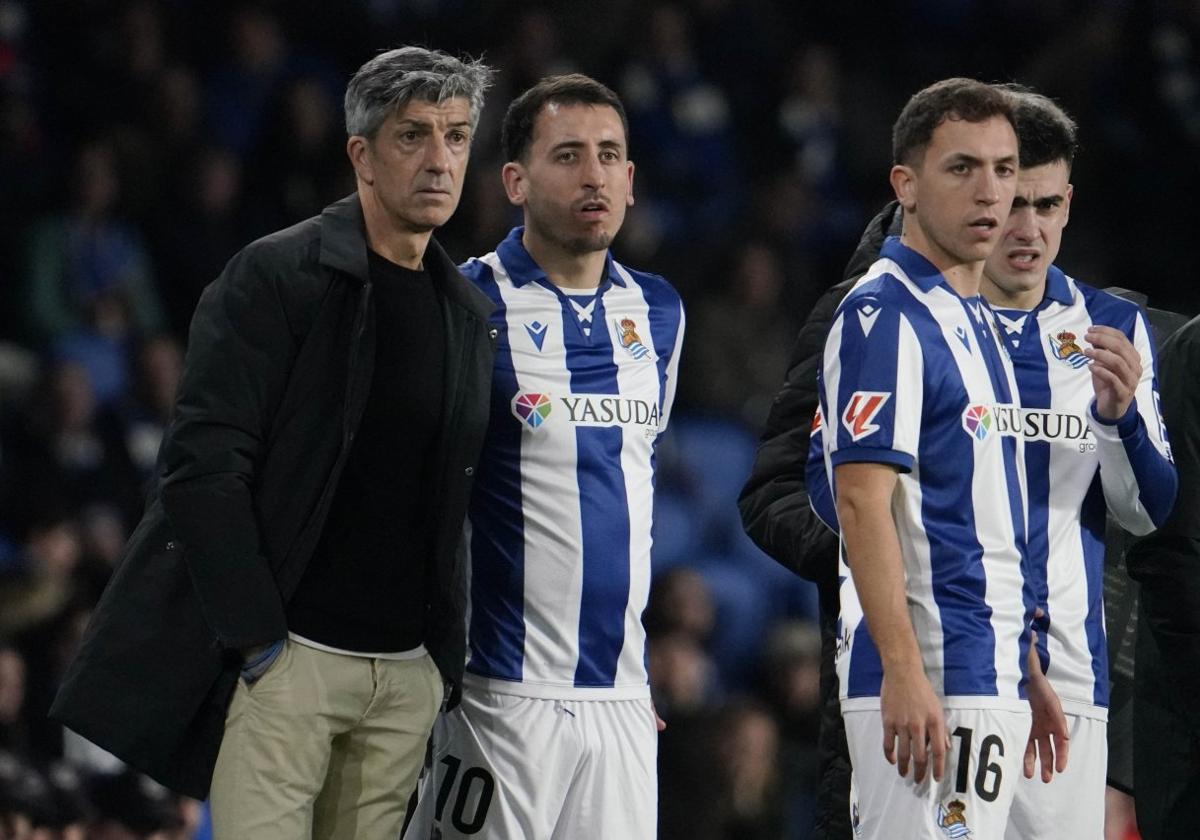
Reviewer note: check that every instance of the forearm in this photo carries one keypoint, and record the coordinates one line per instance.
(876, 566)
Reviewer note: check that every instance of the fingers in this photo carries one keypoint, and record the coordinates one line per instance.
(1030, 758)
(1046, 754)
(889, 743)
(1060, 754)
(903, 752)
(920, 753)
(939, 743)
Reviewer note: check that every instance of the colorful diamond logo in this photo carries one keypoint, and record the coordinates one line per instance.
(531, 409)
(977, 421)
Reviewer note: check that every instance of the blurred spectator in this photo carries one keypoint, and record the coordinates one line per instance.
(206, 228)
(146, 414)
(42, 584)
(680, 602)
(680, 132)
(738, 339)
(299, 164)
(68, 452)
(86, 254)
(13, 738)
(747, 746)
(239, 88)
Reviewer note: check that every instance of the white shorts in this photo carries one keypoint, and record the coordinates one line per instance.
(983, 767)
(507, 767)
(1072, 803)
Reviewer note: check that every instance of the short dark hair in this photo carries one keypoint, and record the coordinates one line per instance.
(1044, 131)
(516, 133)
(949, 99)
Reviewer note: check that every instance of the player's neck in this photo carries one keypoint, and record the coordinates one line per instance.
(962, 277)
(1024, 300)
(390, 238)
(565, 269)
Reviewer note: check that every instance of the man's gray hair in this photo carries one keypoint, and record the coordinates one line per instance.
(391, 80)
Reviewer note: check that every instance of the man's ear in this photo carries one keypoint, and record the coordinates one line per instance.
(1067, 203)
(359, 152)
(629, 195)
(515, 182)
(904, 184)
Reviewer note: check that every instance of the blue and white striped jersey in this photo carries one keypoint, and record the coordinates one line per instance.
(913, 376)
(1076, 467)
(559, 524)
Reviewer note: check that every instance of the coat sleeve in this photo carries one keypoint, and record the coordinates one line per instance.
(774, 503)
(240, 351)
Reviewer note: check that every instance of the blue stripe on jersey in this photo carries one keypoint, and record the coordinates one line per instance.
(866, 668)
(1092, 519)
(604, 511)
(497, 630)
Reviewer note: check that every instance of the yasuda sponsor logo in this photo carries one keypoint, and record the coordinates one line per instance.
(1029, 424)
(596, 410)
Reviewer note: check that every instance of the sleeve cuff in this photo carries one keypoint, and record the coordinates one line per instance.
(901, 460)
(1125, 425)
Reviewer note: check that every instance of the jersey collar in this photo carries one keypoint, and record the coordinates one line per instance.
(1057, 287)
(522, 268)
(918, 269)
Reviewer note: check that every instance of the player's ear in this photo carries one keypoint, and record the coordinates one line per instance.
(904, 184)
(515, 182)
(357, 149)
(1067, 204)
(629, 195)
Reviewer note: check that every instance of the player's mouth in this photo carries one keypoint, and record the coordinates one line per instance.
(1023, 259)
(985, 225)
(592, 209)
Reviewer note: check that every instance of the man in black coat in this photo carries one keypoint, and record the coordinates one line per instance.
(288, 609)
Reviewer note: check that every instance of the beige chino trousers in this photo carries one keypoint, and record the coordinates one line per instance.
(324, 746)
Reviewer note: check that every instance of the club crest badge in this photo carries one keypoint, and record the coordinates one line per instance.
(952, 819)
(631, 341)
(1066, 349)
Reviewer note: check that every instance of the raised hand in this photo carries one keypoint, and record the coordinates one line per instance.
(1116, 370)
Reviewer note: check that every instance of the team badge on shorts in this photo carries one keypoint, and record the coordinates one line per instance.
(631, 341)
(1067, 350)
(531, 409)
(952, 819)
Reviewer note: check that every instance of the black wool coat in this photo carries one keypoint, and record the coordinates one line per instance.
(279, 365)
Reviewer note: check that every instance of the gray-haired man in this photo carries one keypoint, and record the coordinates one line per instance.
(288, 609)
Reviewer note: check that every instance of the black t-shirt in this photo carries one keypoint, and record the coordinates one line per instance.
(365, 587)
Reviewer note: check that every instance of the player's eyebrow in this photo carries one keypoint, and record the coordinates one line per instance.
(1042, 202)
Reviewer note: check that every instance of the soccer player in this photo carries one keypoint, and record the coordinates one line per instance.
(929, 491)
(556, 736)
(1085, 369)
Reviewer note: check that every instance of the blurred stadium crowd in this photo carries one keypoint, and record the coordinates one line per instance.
(143, 142)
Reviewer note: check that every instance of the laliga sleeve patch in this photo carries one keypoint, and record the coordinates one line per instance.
(861, 410)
